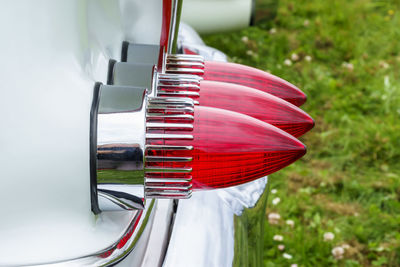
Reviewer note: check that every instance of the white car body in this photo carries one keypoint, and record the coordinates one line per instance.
(53, 52)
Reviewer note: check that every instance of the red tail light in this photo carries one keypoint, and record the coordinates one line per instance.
(213, 148)
(238, 74)
(245, 100)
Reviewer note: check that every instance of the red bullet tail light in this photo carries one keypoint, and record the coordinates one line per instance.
(236, 73)
(245, 100)
(210, 148)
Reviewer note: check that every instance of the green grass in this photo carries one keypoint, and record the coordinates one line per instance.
(349, 181)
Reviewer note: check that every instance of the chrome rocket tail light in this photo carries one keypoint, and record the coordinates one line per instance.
(213, 149)
(235, 73)
(242, 99)
(165, 147)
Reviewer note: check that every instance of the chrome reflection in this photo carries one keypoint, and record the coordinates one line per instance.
(121, 137)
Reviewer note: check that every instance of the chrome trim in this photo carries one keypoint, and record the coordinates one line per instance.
(155, 125)
(169, 136)
(180, 86)
(113, 254)
(168, 180)
(173, 28)
(168, 159)
(184, 71)
(178, 117)
(166, 147)
(185, 57)
(186, 63)
(164, 182)
(169, 170)
(178, 93)
(120, 147)
(179, 78)
(171, 101)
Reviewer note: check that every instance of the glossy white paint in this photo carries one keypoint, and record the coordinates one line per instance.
(52, 53)
(203, 232)
(213, 16)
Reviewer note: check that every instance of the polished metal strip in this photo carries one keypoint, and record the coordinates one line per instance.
(185, 70)
(179, 93)
(169, 136)
(168, 180)
(169, 76)
(166, 147)
(169, 170)
(184, 85)
(170, 100)
(173, 116)
(168, 195)
(155, 125)
(170, 109)
(185, 57)
(180, 189)
(186, 63)
(168, 159)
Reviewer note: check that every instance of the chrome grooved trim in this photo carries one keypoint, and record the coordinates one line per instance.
(165, 147)
(168, 167)
(172, 101)
(186, 63)
(178, 93)
(185, 57)
(170, 194)
(168, 170)
(185, 70)
(168, 180)
(183, 86)
(169, 136)
(155, 125)
(161, 116)
(162, 110)
(168, 159)
(171, 76)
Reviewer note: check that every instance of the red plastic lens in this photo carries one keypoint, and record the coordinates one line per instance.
(249, 101)
(242, 75)
(252, 77)
(223, 149)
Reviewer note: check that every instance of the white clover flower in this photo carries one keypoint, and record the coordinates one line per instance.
(276, 201)
(348, 66)
(272, 31)
(306, 23)
(383, 64)
(245, 39)
(287, 62)
(328, 236)
(249, 53)
(278, 238)
(338, 253)
(273, 191)
(281, 247)
(345, 246)
(293, 265)
(287, 256)
(273, 218)
(294, 57)
(308, 58)
(290, 223)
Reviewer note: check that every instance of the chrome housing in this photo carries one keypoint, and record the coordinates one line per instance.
(120, 147)
(128, 119)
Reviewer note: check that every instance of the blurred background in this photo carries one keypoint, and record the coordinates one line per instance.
(340, 204)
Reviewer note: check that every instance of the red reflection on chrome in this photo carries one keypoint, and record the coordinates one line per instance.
(229, 148)
(254, 103)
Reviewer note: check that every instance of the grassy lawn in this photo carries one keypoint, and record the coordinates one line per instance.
(345, 55)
